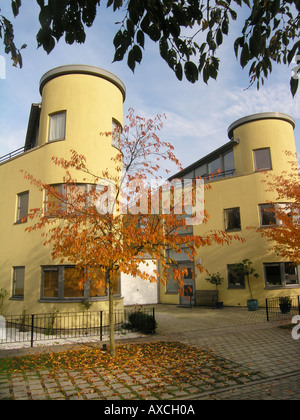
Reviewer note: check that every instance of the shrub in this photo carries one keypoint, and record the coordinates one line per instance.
(142, 322)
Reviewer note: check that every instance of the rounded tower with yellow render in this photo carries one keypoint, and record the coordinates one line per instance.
(78, 103)
(239, 202)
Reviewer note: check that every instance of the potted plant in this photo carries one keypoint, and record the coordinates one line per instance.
(245, 269)
(216, 280)
(285, 304)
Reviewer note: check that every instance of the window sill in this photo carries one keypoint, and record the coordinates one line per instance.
(293, 286)
(16, 298)
(76, 299)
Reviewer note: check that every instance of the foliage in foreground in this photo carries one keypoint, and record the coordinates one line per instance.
(174, 362)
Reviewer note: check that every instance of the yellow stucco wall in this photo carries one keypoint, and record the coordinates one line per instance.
(91, 102)
(244, 190)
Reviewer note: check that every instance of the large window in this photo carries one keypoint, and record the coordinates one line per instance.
(65, 197)
(262, 159)
(232, 219)
(57, 126)
(281, 274)
(235, 279)
(267, 214)
(18, 282)
(222, 165)
(65, 282)
(22, 207)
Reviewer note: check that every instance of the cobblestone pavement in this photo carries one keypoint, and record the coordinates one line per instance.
(244, 339)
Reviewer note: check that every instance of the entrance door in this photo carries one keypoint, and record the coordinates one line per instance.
(189, 285)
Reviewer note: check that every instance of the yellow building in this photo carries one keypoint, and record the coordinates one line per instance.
(77, 103)
(237, 200)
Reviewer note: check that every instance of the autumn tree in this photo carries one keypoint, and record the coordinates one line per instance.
(116, 223)
(188, 33)
(285, 234)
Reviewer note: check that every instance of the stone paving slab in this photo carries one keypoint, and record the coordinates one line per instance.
(269, 353)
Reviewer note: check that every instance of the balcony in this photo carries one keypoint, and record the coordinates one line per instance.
(13, 154)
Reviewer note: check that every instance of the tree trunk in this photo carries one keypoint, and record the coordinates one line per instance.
(112, 343)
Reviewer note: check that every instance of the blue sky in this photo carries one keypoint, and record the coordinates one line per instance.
(198, 115)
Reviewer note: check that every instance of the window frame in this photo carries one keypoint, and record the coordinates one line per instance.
(283, 280)
(61, 288)
(14, 295)
(234, 286)
(63, 112)
(115, 140)
(260, 209)
(256, 169)
(19, 217)
(226, 220)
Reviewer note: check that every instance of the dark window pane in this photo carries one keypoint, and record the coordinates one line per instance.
(232, 219)
(235, 279)
(267, 215)
(273, 274)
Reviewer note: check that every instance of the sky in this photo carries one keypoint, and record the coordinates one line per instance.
(197, 115)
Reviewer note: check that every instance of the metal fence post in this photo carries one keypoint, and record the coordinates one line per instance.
(153, 314)
(267, 309)
(32, 328)
(101, 323)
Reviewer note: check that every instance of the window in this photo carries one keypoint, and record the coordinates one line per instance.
(57, 126)
(232, 219)
(65, 282)
(229, 167)
(50, 283)
(66, 197)
(97, 282)
(116, 132)
(281, 274)
(22, 207)
(72, 280)
(267, 214)
(215, 166)
(262, 159)
(235, 279)
(18, 282)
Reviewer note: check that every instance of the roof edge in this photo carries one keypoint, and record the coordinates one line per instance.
(260, 116)
(82, 69)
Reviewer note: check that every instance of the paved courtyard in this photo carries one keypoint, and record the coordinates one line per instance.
(244, 340)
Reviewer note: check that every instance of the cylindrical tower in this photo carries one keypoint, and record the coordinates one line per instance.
(79, 102)
(263, 140)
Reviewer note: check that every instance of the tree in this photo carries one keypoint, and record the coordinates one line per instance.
(188, 33)
(285, 235)
(95, 231)
(245, 269)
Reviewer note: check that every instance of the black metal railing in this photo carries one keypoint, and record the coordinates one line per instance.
(218, 175)
(12, 154)
(282, 307)
(31, 328)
